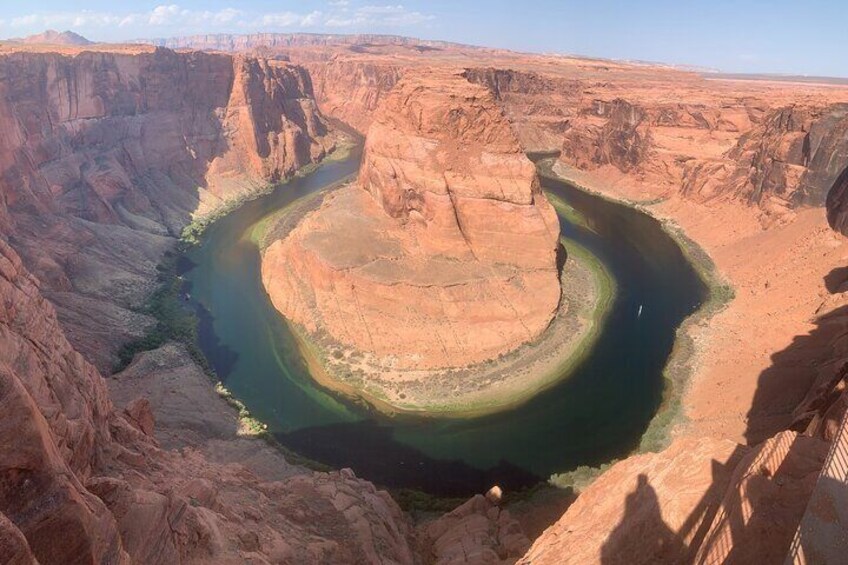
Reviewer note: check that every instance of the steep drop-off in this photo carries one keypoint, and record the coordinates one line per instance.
(108, 155)
(444, 252)
(351, 91)
(84, 483)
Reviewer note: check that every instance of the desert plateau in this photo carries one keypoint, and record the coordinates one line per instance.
(288, 285)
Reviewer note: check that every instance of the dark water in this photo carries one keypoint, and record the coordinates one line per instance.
(598, 413)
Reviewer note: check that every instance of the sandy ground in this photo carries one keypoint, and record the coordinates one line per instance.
(756, 359)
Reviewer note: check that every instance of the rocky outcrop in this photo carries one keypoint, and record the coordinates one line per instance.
(623, 141)
(444, 252)
(478, 531)
(774, 146)
(793, 154)
(701, 500)
(538, 105)
(83, 483)
(108, 155)
(837, 203)
(651, 508)
(55, 430)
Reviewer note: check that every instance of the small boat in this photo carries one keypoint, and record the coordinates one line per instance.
(639, 313)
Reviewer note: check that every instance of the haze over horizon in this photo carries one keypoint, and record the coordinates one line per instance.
(781, 37)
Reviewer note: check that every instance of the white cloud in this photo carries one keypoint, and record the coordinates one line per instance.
(173, 19)
(65, 19)
(388, 15)
(290, 19)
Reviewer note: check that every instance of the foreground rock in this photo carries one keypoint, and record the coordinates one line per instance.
(648, 509)
(84, 483)
(475, 532)
(444, 252)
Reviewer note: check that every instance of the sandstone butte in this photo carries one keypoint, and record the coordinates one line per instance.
(443, 253)
(752, 170)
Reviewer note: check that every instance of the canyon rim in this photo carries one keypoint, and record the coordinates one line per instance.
(421, 283)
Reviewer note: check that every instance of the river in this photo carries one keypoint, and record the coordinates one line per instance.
(598, 413)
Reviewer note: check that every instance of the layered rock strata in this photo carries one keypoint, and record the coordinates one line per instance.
(443, 254)
(109, 153)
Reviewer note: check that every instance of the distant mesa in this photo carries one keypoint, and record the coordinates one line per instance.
(52, 37)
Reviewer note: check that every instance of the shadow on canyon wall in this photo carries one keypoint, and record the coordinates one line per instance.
(755, 502)
(811, 360)
(643, 536)
(835, 281)
(100, 189)
(748, 514)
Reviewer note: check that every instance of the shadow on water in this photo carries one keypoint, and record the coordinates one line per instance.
(221, 357)
(370, 449)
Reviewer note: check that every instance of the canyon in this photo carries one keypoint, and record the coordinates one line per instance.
(110, 152)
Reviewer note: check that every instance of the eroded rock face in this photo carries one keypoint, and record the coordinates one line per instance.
(444, 252)
(477, 531)
(55, 428)
(837, 203)
(351, 91)
(107, 155)
(80, 482)
(623, 140)
(793, 154)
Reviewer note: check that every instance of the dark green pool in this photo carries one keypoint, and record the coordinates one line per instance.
(596, 414)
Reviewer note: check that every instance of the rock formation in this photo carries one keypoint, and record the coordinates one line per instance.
(351, 91)
(108, 154)
(444, 252)
(837, 203)
(648, 509)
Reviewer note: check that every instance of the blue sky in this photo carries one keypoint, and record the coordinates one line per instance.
(778, 36)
